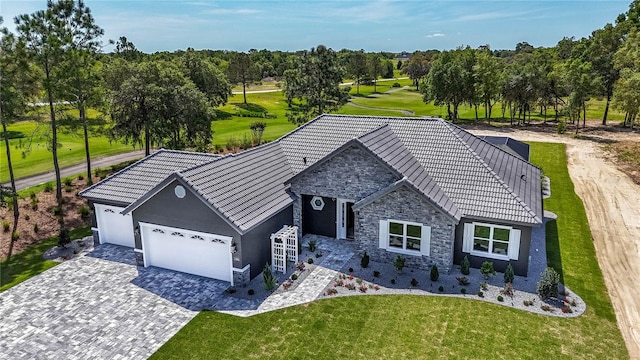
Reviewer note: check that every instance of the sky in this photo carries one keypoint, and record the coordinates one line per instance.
(375, 25)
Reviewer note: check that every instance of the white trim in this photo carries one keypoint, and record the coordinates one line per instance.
(139, 251)
(243, 269)
(95, 229)
(514, 244)
(490, 254)
(404, 250)
(341, 217)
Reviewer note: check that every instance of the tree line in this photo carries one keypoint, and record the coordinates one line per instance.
(169, 98)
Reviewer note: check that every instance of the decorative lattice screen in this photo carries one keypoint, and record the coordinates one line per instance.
(284, 246)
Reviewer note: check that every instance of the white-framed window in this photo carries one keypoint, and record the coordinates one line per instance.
(405, 237)
(491, 241)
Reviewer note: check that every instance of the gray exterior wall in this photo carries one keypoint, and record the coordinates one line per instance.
(255, 246)
(190, 213)
(520, 266)
(404, 204)
(319, 222)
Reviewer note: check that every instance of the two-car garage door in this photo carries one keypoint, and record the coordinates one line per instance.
(188, 251)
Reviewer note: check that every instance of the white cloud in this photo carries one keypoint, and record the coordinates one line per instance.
(434, 35)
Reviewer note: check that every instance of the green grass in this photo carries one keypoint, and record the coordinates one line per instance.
(39, 159)
(29, 262)
(395, 327)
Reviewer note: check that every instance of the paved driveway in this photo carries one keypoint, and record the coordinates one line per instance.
(100, 306)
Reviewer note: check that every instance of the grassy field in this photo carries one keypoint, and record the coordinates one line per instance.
(230, 125)
(400, 327)
(29, 262)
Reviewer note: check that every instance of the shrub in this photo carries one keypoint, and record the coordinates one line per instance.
(27, 217)
(33, 195)
(310, 260)
(35, 228)
(398, 263)
(435, 274)
(56, 211)
(300, 266)
(251, 292)
(351, 286)
(462, 280)
(548, 285)
(63, 237)
(270, 282)
(364, 262)
(487, 269)
(83, 211)
(376, 273)
(441, 288)
(508, 290)
(393, 281)
(463, 291)
(396, 85)
(350, 270)
(48, 187)
(5, 225)
(363, 288)
(68, 188)
(484, 286)
(312, 245)
(318, 255)
(359, 281)
(464, 267)
(15, 236)
(68, 182)
(480, 293)
(566, 309)
(546, 307)
(332, 291)
(414, 282)
(80, 177)
(508, 274)
(294, 277)
(500, 298)
(561, 128)
(34, 203)
(527, 302)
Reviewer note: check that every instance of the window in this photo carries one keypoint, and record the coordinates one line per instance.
(405, 237)
(317, 203)
(490, 240)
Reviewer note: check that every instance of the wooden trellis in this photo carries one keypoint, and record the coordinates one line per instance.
(284, 247)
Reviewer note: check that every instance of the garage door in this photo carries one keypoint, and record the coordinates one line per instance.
(188, 251)
(114, 228)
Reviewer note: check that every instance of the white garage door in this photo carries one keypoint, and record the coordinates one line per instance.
(188, 251)
(114, 228)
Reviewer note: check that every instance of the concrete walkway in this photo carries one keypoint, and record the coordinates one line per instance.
(34, 180)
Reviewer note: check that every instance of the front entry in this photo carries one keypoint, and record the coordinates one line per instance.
(346, 219)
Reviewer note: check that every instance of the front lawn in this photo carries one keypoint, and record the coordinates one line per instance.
(30, 262)
(388, 327)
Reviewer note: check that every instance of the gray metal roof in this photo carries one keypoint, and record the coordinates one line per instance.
(460, 173)
(130, 183)
(509, 145)
(443, 150)
(248, 187)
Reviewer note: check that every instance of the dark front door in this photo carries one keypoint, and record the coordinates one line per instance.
(318, 217)
(350, 221)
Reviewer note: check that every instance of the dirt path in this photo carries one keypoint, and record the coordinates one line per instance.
(612, 203)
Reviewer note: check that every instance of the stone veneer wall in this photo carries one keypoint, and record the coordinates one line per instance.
(352, 174)
(241, 277)
(404, 204)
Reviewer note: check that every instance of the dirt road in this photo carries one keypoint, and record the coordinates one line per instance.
(612, 203)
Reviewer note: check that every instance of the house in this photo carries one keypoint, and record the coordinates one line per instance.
(422, 188)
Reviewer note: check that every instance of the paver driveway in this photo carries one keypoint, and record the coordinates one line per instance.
(100, 306)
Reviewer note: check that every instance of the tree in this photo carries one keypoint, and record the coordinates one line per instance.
(626, 95)
(388, 69)
(602, 47)
(77, 72)
(376, 67)
(357, 67)
(257, 129)
(399, 65)
(153, 102)
(579, 81)
(417, 67)
(206, 77)
(48, 36)
(315, 82)
(488, 80)
(16, 84)
(241, 70)
(126, 50)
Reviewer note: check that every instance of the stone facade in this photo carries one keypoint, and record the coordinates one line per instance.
(96, 236)
(354, 174)
(241, 276)
(405, 205)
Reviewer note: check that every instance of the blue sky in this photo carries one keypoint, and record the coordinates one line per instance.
(375, 25)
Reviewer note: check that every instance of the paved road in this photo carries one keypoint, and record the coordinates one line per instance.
(278, 90)
(38, 179)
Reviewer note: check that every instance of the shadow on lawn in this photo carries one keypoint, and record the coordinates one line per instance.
(554, 258)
